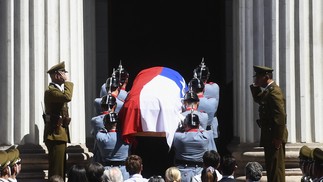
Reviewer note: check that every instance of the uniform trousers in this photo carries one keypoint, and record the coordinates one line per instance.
(275, 163)
(56, 157)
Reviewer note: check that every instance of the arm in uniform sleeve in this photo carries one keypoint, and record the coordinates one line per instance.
(256, 93)
(55, 95)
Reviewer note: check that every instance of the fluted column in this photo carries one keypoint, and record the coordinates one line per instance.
(21, 70)
(38, 66)
(317, 56)
(77, 71)
(34, 36)
(7, 71)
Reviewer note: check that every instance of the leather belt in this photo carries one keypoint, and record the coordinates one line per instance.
(113, 163)
(188, 163)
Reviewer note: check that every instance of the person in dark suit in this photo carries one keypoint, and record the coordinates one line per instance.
(272, 121)
(56, 118)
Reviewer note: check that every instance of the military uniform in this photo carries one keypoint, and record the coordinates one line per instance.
(209, 100)
(56, 131)
(272, 121)
(113, 150)
(306, 163)
(189, 149)
(202, 116)
(97, 125)
(4, 162)
(190, 146)
(318, 165)
(210, 106)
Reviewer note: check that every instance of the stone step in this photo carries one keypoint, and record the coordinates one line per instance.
(245, 153)
(34, 160)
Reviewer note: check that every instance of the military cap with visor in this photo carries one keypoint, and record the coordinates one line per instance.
(57, 67)
(261, 70)
(13, 156)
(305, 153)
(4, 159)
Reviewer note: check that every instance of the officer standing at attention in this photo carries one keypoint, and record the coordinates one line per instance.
(56, 132)
(113, 150)
(189, 147)
(272, 121)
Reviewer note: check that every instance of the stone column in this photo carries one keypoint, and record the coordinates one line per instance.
(317, 46)
(7, 71)
(34, 36)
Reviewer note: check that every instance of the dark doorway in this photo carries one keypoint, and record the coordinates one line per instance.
(175, 34)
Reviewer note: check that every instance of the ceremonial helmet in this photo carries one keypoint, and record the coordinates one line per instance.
(112, 117)
(111, 84)
(191, 96)
(202, 71)
(121, 74)
(196, 85)
(192, 120)
(108, 100)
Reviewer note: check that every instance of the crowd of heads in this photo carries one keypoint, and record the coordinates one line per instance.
(10, 163)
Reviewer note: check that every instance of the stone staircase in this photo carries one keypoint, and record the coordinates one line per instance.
(245, 153)
(34, 161)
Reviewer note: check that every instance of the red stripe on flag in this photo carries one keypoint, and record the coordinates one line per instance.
(129, 115)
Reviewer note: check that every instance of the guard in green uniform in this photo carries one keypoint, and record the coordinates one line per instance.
(306, 163)
(318, 165)
(272, 121)
(56, 118)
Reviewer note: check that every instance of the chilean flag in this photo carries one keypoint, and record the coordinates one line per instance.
(154, 103)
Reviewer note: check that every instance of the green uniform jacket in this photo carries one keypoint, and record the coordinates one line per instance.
(56, 107)
(272, 115)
